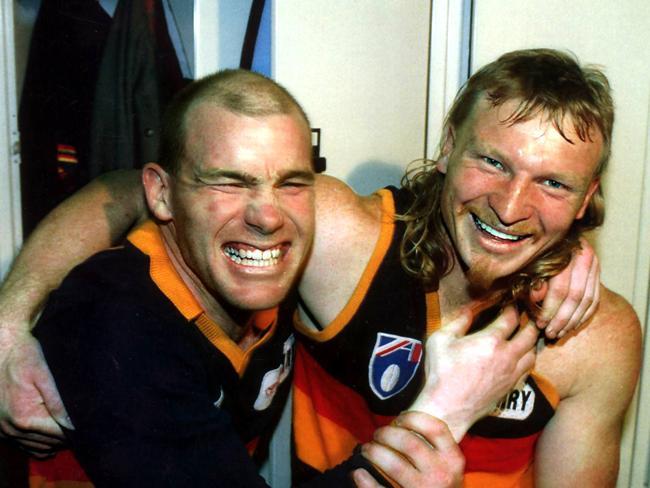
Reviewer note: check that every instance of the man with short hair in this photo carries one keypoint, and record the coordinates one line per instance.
(170, 353)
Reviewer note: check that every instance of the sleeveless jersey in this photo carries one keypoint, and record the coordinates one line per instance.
(365, 367)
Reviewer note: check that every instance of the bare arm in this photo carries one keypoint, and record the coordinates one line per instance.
(344, 220)
(596, 370)
(92, 219)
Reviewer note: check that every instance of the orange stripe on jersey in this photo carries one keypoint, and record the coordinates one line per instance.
(520, 479)
(433, 312)
(148, 239)
(61, 471)
(330, 419)
(320, 443)
(378, 255)
(547, 388)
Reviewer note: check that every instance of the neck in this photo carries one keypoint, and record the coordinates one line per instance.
(457, 292)
(233, 321)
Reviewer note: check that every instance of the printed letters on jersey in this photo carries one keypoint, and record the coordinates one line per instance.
(274, 378)
(518, 404)
(393, 364)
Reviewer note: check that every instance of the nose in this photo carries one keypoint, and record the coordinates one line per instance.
(263, 213)
(513, 201)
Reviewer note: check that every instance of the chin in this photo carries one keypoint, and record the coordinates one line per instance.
(260, 301)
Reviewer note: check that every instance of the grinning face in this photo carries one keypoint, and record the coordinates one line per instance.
(240, 212)
(513, 191)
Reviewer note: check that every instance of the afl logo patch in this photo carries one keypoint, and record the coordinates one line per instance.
(393, 364)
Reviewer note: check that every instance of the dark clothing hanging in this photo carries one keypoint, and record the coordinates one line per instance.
(138, 75)
(93, 96)
(56, 105)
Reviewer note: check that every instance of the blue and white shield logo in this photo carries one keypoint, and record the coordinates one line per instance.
(393, 364)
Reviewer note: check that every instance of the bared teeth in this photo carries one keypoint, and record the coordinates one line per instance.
(493, 232)
(255, 257)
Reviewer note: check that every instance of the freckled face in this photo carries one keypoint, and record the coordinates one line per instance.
(243, 205)
(513, 191)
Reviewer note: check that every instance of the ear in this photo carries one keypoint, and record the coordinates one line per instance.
(593, 186)
(156, 182)
(447, 147)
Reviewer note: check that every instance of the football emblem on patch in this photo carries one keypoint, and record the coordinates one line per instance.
(393, 364)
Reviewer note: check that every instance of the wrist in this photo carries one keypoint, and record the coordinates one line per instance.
(19, 309)
(458, 420)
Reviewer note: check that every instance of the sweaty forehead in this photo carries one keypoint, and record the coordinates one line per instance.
(218, 139)
(514, 111)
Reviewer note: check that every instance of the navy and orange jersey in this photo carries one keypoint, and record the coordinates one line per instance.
(365, 367)
(158, 393)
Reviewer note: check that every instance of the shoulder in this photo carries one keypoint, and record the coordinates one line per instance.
(344, 217)
(336, 198)
(348, 226)
(595, 370)
(603, 355)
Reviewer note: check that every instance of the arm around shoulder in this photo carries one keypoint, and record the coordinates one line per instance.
(92, 219)
(596, 369)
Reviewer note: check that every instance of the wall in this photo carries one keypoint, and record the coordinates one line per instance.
(616, 36)
(361, 73)
(10, 220)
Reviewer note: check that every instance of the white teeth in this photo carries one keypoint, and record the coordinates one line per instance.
(256, 258)
(492, 231)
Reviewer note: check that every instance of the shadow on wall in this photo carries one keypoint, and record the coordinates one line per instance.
(373, 175)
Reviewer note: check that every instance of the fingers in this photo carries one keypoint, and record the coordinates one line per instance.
(525, 339)
(434, 431)
(571, 293)
(53, 403)
(363, 479)
(427, 456)
(35, 444)
(587, 306)
(461, 323)
(594, 305)
(538, 293)
(525, 363)
(558, 288)
(505, 324)
(29, 398)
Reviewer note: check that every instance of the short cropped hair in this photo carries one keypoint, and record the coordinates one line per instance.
(238, 91)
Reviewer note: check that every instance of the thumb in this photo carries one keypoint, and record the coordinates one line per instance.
(538, 293)
(52, 400)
